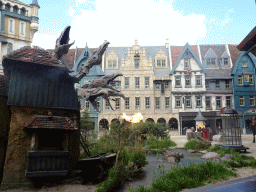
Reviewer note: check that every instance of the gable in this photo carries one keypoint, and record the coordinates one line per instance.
(210, 53)
(188, 53)
(249, 59)
(225, 54)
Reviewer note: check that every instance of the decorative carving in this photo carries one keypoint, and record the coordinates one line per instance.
(62, 46)
(100, 87)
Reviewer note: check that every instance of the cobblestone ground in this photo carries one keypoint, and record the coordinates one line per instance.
(76, 186)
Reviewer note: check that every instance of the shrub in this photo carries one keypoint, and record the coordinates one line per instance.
(196, 144)
(155, 143)
(189, 176)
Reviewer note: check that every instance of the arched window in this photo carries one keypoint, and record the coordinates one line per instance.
(161, 120)
(23, 11)
(7, 7)
(104, 123)
(15, 9)
(173, 123)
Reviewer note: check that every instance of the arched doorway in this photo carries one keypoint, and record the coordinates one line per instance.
(104, 123)
(150, 120)
(173, 123)
(115, 121)
(161, 120)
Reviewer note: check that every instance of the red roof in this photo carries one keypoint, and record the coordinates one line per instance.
(234, 53)
(176, 51)
(34, 55)
(50, 122)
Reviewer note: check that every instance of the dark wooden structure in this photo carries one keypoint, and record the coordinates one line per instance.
(38, 141)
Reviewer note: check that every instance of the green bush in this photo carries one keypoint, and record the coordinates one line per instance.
(196, 144)
(119, 172)
(189, 176)
(238, 160)
(154, 143)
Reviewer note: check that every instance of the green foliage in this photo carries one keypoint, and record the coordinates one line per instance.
(155, 143)
(85, 121)
(120, 171)
(238, 160)
(189, 176)
(196, 144)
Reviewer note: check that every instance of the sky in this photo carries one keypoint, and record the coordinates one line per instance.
(151, 22)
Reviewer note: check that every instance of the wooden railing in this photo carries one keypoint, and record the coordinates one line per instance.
(47, 163)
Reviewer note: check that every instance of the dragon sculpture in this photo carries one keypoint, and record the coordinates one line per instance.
(99, 87)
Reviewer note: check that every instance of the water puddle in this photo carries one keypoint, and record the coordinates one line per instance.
(146, 176)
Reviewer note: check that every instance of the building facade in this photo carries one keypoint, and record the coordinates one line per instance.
(244, 87)
(170, 84)
(94, 73)
(19, 22)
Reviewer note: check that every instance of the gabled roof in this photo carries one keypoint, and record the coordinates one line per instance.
(176, 50)
(200, 117)
(217, 49)
(34, 55)
(239, 59)
(50, 122)
(84, 55)
(234, 53)
(249, 42)
(187, 46)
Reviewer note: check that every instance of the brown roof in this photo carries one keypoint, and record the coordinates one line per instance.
(70, 56)
(50, 122)
(4, 85)
(176, 50)
(34, 55)
(249, 41)
(234, 53)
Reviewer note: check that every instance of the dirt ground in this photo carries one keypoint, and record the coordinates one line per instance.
(76, 185)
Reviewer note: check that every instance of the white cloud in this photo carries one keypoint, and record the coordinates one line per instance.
(45, 41)
(121, 22)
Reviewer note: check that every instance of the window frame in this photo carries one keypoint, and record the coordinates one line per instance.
(157, 103)
(241, 101)
(244, 64)
(126, 82)
(178, 100)
(137, 103)
(187, 76)
(167, 102)
(188, 98)
(157, 85)
(137, 82)
(240, 79)
(198, 99)
(198, 78)
(147, 82)
(252, 100)
(107, 106)
(136, 63)
(176, 79)
(11, 20)
(251, 79)
(117, 104)
(208, 99)
(22, 32)
(147, 102)
(228, 99)
(225, 61)
(227, 85)
(218, 99)
(127, 103)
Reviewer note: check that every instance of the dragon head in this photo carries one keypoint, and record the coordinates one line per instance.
(95, 59)
(62, 44)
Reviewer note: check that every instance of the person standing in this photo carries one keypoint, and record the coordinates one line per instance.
(253, 128)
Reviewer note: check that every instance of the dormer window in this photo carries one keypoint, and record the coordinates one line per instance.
(225, 61)
(210, 62)
(161, 63)
(111, 64)
(136, 54)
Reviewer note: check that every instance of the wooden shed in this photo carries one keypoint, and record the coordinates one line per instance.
(39, 84)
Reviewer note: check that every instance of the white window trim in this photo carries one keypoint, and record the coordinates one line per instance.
(24, 28)
(13, 26)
